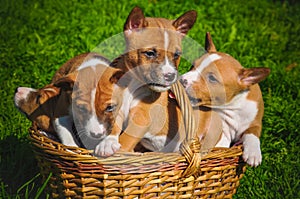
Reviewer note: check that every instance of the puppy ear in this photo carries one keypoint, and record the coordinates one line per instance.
(119, 78)
(209, 44)
(47, 93)
(253, 76)
(185, 22)
(66, 83)
(135, 20)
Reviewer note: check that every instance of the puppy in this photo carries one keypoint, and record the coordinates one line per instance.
(218, 81)
(42, 106)
(153, 49)
(49, 107)
(95, 102)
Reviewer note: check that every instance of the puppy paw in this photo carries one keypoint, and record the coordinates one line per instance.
(108, 146)
(252, 153)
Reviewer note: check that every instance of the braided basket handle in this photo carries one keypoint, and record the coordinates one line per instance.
(190, 147)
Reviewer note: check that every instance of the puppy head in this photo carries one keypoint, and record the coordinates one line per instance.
(96, 99)
(153, 47)
(216, 78)
(36, 104)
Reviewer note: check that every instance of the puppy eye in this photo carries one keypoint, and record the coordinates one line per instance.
(38, 99)
(212, 78)
(111, 108)
(177, 54)
(151, 53)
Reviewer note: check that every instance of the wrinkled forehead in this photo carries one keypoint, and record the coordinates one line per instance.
(154, 37)
(218, 63)
(206, 61)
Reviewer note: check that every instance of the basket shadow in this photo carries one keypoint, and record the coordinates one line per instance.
(18, 166)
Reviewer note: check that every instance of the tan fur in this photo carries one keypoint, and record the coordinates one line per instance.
(143, 35)
(218, 81)
(52, 101)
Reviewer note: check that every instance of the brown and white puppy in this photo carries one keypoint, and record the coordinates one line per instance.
(153, 49)
(96, 100)
(48, 108)
(42, 106)
(218, 81)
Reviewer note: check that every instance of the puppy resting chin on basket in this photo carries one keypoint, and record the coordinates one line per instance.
(54, 107)
(218, 81)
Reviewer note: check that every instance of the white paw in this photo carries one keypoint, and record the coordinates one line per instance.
(108, 146)
(252, 153)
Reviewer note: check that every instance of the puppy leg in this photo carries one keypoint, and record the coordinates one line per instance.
(252, 153)
(110, 144)
(63, 127)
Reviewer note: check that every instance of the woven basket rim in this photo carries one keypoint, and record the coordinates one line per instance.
(70, 153)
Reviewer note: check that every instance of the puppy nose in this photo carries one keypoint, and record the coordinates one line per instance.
(169, 77)
(184, 82)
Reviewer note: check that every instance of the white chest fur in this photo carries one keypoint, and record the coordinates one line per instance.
(236, 117)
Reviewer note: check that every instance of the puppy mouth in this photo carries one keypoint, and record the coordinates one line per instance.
(195, 101)
(158, 87)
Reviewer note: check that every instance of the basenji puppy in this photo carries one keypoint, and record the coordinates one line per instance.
(153, 49)
(218, 81)
(49, 107)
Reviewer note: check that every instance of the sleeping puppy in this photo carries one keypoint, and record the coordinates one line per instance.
(218, 81)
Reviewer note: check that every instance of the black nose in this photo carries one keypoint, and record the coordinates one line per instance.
(183, 82)
(169, 77)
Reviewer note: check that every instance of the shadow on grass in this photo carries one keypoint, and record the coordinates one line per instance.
(19, 171)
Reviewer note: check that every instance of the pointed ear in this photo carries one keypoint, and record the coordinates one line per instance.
(116, 76)
(252, 76)
(185, 22)
(209, 44)
(135, 20)
(67, 82)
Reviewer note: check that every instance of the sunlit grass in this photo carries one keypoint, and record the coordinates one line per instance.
(38, 36)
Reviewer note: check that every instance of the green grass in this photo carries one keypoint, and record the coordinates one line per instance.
(38, 36)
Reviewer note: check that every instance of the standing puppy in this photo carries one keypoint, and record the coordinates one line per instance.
(153, 49)
(218, 81)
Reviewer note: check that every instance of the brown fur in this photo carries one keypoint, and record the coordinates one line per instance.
(144, 34)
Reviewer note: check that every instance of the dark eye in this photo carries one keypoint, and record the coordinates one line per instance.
(212, 78)
(38, 99)
(111, 108)
(151, 53)
(177, 54)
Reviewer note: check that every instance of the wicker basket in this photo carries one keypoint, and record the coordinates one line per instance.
(76, 173)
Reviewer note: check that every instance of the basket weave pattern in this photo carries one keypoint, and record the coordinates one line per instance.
(76, 173)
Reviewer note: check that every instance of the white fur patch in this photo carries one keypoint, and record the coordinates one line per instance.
(252, 153)
(91, 63)
(193, 76)
(167, 68)
(236, 116)
(207, 61)
(93, 126)
(108, 146)
(154, 142)
(166, 41)
(63, 127)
